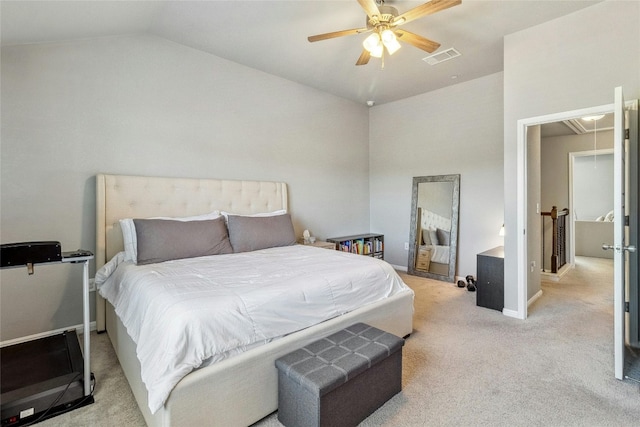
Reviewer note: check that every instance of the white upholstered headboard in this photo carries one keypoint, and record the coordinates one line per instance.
(122, 196)
(431, 220)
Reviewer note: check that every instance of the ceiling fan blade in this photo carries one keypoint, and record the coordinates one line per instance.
(335, 34)
(426, 9)
(370, 7)
(364, 57)
(417, 41)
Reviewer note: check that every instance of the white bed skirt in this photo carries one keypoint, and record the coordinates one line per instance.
(244, 389)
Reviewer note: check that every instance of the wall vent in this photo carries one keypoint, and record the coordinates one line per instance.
(439, 57)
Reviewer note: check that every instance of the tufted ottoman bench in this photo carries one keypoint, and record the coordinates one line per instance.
(339, 380)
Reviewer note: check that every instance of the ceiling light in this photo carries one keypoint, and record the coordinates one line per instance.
(374, 45)
(390, 42)
(593, 118)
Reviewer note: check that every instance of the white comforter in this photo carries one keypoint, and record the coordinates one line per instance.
(439, 253)
(186, 313)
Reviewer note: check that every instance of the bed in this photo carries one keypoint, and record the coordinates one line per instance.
(238, 390)
(434, 237)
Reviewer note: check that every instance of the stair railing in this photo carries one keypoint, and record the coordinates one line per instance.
(559, 237)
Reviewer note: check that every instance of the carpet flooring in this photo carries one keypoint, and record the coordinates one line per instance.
(469, 366)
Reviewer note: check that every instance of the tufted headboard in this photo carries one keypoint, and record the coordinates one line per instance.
(122, 196)
(431, 220)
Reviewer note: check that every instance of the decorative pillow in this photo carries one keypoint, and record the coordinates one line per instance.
(609, 217)
(163, 240)
(129, 232)
(250, 233)
(444, 237)
(426, 239)
(433, 236)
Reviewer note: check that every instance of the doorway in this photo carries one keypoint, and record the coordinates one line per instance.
(529, 207)
(625, 166)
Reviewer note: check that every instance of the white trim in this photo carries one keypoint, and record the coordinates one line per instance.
(510, 313)
(521, 195)
(618, 234)
(399, 267)
(534, 298)
(79, 329)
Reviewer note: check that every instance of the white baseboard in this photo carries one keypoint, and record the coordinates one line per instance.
(510, 313)
(399, 267)
(534, 298)
(79, 329)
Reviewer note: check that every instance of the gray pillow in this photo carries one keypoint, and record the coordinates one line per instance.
(163, 240)
(250, 233)
(444, 237)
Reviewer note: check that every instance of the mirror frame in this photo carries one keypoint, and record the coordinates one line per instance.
(453, 250)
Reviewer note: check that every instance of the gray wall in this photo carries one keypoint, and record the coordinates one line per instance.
(145, 106)
(554, 67)
(555, 187)
(534, 224)
(455, 130)
(436, 197)
(593, 186)
(555, 162)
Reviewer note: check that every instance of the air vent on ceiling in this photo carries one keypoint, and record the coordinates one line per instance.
(439, 57)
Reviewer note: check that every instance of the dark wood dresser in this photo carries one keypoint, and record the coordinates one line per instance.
(490, 286)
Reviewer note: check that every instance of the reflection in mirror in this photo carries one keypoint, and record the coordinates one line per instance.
(434, 226)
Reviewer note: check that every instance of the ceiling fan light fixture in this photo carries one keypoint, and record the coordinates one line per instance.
(373, 44)
(593, 118)
(390, 42)
(377, 51)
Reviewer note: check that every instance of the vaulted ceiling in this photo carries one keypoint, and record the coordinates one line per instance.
(271, 36)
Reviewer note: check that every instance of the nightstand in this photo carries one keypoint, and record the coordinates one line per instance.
(490, 285)
(423, 260)
(322, 244)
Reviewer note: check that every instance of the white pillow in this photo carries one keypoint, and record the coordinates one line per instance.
(609, 217)
(130, 239)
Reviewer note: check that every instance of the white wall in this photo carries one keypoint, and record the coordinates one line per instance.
(455, 130)
(145, 106)
(566, 64)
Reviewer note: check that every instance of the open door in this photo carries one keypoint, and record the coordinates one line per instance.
(619, 246)
(633, 155)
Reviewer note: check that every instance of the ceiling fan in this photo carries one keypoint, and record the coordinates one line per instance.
(384, 22)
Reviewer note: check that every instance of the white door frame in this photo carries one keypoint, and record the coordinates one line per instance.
(521, 192)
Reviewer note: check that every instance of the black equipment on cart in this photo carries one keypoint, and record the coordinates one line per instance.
(47, 376)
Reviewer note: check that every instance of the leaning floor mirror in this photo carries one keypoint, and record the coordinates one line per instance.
(434, 227)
